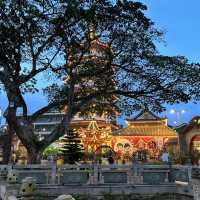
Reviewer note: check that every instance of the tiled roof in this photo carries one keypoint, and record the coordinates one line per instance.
(146, 129)
(146, 115)
(194, 123)
(180, 128)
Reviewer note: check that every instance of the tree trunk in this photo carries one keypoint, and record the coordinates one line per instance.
(34, 155)
(7, 148)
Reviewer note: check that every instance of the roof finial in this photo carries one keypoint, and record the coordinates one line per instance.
(92, 31)
(146, 108)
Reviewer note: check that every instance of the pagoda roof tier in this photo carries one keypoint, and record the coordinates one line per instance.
(153, 128)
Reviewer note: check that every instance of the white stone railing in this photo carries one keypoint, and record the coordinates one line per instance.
(97, 174)
(93, 175)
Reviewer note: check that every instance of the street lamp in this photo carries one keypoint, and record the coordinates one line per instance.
(178, 114)
(0, 116)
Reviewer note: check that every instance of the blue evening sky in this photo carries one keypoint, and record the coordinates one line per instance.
(181, 21)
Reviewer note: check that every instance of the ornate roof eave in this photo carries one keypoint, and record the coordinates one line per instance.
(80, 123)
(146, 121)
(139, 132)
(99, 43)
(172, 141)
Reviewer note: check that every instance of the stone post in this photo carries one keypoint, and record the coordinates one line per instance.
(196, 189)
(10, 189)
(130, 177)
(189, 171)
(167, 177)
(96, 171)
(134, 174)
(93, 177)
(53, 175)
(195, 183)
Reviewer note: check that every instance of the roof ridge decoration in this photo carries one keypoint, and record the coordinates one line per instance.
(146, 114)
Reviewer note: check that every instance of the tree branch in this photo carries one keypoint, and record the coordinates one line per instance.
(45, 109)
(33, 73)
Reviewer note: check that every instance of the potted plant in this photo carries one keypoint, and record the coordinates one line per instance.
(50, 151)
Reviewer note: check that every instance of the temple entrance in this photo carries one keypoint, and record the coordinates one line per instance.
(141, 155)
(153, 150)
(195, 150)
(195, 144)
(105, 153)
(105, 150)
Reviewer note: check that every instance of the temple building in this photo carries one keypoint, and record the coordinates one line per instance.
(189, 136)
(95, 132)
(145, 137)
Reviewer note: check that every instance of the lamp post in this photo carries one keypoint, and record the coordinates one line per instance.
(178, 114)
(0, 116)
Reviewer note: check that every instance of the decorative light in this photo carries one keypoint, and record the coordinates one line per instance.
(94, 136)
(182, 111)
(172, 111)
(40, 137)
(178, 114)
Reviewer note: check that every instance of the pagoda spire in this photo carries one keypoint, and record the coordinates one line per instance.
(92, 31)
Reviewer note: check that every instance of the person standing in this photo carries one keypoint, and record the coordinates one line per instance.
(165, 156)
(167, 160)
(13, 157)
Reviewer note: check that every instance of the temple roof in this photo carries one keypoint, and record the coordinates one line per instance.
(146, 129)
(147, 123)
(185, 128)
(180, 128)
(146, 115)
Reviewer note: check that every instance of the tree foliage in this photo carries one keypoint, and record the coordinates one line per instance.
(72, 149)
(105, 51)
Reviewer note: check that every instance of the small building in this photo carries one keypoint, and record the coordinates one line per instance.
(189, 136)
(145, 136)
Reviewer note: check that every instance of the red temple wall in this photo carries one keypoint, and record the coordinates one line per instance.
(132, 144)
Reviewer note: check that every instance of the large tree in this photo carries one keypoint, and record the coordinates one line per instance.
(106, 52)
